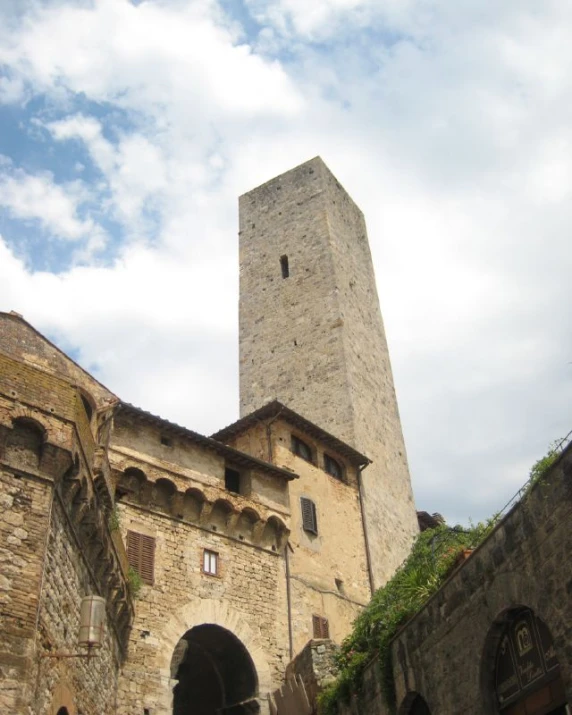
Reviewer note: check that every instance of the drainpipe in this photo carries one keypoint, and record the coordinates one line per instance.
(363, 521)
(288, 548)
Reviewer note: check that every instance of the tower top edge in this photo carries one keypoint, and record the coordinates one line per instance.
(317, 164)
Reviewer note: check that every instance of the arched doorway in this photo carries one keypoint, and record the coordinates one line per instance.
(215, 673)
(62, 711)
(527, 678)
(414, 704)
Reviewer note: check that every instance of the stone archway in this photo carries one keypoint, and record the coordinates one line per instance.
(414, 704)
(207, 611)
(215, 674)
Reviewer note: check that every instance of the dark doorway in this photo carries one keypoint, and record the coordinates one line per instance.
(215, 672)
(419, 707)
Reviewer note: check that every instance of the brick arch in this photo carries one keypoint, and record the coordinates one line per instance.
(25, 413)
(211, 611)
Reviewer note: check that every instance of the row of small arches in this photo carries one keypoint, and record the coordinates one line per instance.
(193, 506)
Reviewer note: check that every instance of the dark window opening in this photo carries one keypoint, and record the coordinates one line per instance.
(333, 467)
(141, 555)
(167, 441)
(340, 585)
(284, 266)
(309, 516)
(321, 627)
(87, 407)
(301, 449)
(232, 480)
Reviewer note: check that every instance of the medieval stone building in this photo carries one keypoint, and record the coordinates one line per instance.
(218, 558)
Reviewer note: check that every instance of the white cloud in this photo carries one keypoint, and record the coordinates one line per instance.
(55, 207)
(447, 122)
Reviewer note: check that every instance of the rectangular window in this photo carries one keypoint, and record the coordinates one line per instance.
(232, 480)
(301, 449)
(284, 266)
(309, 516)
(141, 555)
(333, 467)
(321, 627)
(210, 562)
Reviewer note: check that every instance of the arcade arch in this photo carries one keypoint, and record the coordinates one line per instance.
(214, 672)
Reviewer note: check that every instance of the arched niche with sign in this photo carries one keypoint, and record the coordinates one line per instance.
(527, 679)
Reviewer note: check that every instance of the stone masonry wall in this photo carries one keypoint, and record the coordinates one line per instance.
(446, 653)
(23, 343)
(92, 683)
(328, 571)
(315, 340)
(248, 598)
(24, 508)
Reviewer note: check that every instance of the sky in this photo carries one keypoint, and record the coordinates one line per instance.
(129, 128)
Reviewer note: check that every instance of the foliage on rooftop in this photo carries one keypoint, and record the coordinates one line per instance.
(432, 559)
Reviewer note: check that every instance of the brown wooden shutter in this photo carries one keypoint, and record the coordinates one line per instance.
(321, 627)
(141, 555)
(309, 517)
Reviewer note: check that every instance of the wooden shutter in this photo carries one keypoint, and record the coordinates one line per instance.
(321, 627)
(309, 517)
(141, 555)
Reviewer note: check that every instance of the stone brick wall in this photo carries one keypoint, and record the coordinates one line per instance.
(248, 598)
(177, 496)
(315, 665)
(315, 340)
(55, 544)
(92, 683)
(24, 509)
(446, 653)
(328, 571)
(26, 345)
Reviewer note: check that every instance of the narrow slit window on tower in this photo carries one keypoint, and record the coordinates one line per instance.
(284, 266)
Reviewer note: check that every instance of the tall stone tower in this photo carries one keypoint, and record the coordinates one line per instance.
(311, 336)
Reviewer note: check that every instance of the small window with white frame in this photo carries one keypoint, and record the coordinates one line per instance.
(210, 562)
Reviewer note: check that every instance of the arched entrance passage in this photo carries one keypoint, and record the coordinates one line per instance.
(215, 674)
(414, 704)
(527, 679)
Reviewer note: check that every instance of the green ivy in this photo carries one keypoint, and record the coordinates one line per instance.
(114, 521)
(430, 562)
(135, 582)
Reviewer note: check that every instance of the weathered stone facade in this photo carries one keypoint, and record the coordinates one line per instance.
(328, 570)
(446, 654)
(311, 336)
(56, 544)
(178, 498)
